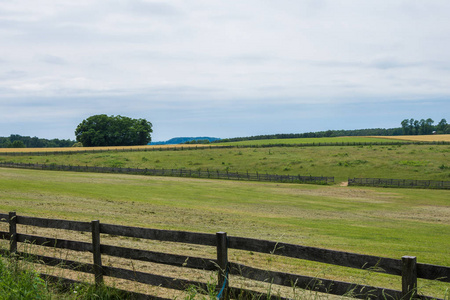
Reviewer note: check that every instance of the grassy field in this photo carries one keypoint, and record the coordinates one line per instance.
(428, 162)
(384, 222)
(346, 139)
(376, 221)
(295, 141)
(299, 141)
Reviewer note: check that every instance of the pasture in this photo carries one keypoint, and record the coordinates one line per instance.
(383, 222)
(375, 221)
(346, 139)
(299, 141)
(427, 162)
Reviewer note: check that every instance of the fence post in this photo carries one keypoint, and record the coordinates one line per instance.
(98, 272)
(409, 277)
(12, 220)
(222, 261)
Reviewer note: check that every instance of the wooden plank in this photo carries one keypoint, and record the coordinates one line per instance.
(409, 277)
(346, 259)
(240, 293)
(58, 262)
(56, 243)
(65, 283)
(4, 235)
(54, 223)
(222, 263)
(160, 235)
(313, 283)
(69, 283)
(152, 279)
(4, 218)
(12, 219)
(162, 258)
(433, 272)
(97, 255)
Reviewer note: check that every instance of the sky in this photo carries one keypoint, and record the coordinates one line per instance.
(222, 68)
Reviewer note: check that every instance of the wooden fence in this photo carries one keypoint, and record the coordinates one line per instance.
(407, 183)
(407, 267)
(178, 173)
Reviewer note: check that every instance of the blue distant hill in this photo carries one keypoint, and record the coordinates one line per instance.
(182, 140)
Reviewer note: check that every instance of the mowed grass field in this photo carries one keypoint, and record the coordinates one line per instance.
(346, 139)
(324, 140)
(376, 221)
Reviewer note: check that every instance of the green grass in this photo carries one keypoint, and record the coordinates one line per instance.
(343, 162)
(383, 222)
(20, 282)
(352, 219)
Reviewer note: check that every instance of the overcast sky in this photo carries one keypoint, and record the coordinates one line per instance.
(222, 68)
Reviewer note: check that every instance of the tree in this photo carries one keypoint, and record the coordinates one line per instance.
(418, 125)
(428, 126)
(405, 127)
(17, 144)
(103, 130)
(443, 127)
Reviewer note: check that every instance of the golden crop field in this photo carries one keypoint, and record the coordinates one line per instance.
(112, 148)
(419, 138)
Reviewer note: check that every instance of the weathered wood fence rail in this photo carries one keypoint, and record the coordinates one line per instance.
(178, 173)
(407, 267)
(408, 183)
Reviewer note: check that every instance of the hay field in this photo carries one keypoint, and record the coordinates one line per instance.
(109, 148)
(419, 138)
(384, 222)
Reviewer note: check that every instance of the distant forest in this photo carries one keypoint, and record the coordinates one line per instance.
(328, 133)
(18, 141)
(409, 127)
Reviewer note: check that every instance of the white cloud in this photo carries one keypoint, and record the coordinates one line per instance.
(208, 54)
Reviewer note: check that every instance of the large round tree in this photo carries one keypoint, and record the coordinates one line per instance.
(103, 130)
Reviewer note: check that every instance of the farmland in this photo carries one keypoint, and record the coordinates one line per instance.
(384, 222)
(428, 162)
(299, 141)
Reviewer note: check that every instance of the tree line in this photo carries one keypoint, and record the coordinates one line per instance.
(409, 127)
(103, 130)
(97, 130)
(319, 134)
(18, 141)
(420, 127)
